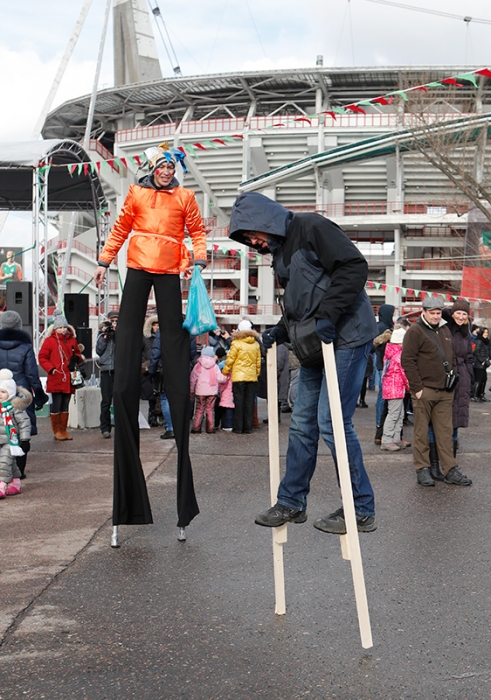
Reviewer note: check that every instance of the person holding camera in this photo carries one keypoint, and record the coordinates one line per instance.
(104, 347)
(428, 359)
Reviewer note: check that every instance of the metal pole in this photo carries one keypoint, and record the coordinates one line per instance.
(350, 543)
(279, 533)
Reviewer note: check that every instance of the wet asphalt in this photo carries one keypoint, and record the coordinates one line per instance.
(158, 618)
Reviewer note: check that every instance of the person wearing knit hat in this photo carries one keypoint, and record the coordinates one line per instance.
(59, 356)
(11, 319)
(461, 305)
(244, 365)
(157, 215)
(15, 432)
(429, 361)
(457, 318)
(205, 381)
(394, 388)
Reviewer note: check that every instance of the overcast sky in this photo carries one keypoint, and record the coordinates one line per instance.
(210, 36)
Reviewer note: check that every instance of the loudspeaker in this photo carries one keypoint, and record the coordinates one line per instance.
(77, 310)
(19, 298)
(84, 336)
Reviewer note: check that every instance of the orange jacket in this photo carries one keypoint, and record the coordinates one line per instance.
(157, 219)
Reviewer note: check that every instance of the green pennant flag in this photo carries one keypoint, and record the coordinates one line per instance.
(92, 167)
(79, 168)
(377, 285)
(401, 93)
(338, 110)
(191, 149)
(434, 84)
(417, 292)
(365, 102)
(229, 139)
(210, 144)
(468, 76)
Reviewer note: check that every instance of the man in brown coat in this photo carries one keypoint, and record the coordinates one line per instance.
(427, 344)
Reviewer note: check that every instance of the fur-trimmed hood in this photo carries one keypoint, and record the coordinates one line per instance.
(147, 326)
(70, 328)
(236, 335)
(22, 399)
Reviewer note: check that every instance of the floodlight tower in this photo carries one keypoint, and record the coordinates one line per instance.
(135, 53)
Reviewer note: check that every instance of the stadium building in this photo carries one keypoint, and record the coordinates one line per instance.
(278, 132)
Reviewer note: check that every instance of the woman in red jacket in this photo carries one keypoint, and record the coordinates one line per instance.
(59, 356)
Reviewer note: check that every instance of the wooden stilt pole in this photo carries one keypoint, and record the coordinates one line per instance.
(279, 533)
(350, 543)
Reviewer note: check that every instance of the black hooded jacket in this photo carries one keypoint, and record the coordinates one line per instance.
(321, 270)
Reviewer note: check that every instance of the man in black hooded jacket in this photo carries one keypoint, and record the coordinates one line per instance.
(323, 275)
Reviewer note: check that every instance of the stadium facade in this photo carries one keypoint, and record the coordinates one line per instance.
(406, 216)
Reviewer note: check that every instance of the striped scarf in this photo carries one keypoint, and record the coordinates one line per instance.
(10, 429)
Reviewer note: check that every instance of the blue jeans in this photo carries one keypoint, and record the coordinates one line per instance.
(379, 406)
(311, 417)
(164, 405)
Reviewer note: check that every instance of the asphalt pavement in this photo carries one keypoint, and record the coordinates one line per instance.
(162, 619)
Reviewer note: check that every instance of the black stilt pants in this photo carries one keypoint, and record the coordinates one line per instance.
(131, 505)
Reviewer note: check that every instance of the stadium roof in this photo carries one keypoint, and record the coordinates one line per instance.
(289, 91)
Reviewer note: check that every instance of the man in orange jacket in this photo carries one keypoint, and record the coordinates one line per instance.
(156, 210)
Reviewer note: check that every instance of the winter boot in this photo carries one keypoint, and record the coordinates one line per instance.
(13, 488)
(255, 420)
(63, 425)
(55, 426)
(435, 471)
(3, 488)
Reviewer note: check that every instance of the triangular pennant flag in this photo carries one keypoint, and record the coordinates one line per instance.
(210, 144)
(331, 114)
(191, 150)
(138, 160)
(124, 162)
(79, 168)
(86, 168)
(420, 87)
(483, 71)
(436, 83)
(451, 81)
(237, 136)
(220, 141)
(355, 108)
(468, 76)
(381, 100)
(401, 93)
(72, 168)
(200, 146)
(92, 167)
(303, 119)
(377, 285)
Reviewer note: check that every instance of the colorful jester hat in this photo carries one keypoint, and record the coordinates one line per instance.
(157, 155)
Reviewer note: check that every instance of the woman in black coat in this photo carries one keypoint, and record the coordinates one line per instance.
(458, 323)
(481, 363)
(17, 355)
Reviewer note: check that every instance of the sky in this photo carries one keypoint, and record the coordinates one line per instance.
(215, 36)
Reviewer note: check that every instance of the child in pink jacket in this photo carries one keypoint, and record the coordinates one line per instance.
(205, 379)
(394, 387)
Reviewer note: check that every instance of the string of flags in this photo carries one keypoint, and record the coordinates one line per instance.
(421, 294)
(193, 149)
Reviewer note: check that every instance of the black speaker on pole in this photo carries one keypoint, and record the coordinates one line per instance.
(19, 298)
(77, 310)
(84, 336)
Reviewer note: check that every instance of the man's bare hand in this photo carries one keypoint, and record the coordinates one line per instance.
(99, 275)
(419, 394)
(188, 272)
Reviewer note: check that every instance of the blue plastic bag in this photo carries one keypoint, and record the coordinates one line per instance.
(200, 317)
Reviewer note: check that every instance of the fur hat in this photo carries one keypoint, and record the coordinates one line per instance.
(433, 302)
(11, 319)
(59, 320)
(244, 325)
(461, 305)
(208, 351)
(220, 352)
(7, 382)
(397, 335)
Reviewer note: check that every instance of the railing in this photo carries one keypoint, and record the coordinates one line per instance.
(223, 264)
(84, 276)
(375, 120)
(433, 264)
(437, 208)
(97, 146)
(78, 246)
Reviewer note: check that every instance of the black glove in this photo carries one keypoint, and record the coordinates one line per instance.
(82, 370)
(25, 446)
(325, 330)
(277, 335)
(40, 398)
(72, 365)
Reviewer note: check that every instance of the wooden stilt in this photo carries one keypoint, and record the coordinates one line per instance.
(350, 543)
(279, 533)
